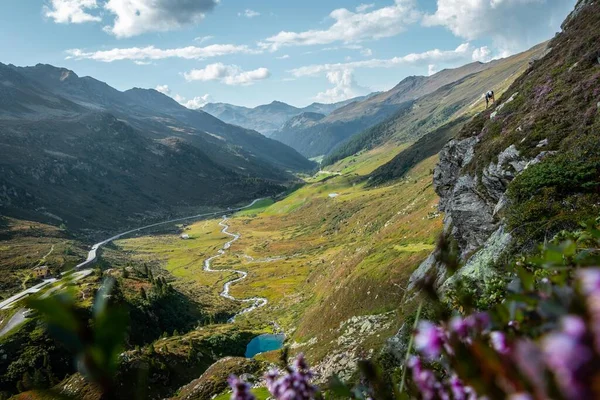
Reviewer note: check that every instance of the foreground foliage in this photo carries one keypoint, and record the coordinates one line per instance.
(541, 341)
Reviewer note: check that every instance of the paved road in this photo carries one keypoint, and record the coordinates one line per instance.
(16, 320)
(91, 259)
(256, 301)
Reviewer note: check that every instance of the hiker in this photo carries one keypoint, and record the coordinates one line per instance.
(489, 96)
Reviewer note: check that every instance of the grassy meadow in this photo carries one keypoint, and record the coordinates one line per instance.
(330, 250)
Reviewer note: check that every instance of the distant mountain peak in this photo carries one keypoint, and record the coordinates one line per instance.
(59, 73)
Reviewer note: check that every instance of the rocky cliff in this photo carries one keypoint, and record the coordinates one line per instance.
(528, 167)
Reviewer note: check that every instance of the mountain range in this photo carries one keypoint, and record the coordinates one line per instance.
(460, 86)
(426, 113)
(269, 118)
(71, 148)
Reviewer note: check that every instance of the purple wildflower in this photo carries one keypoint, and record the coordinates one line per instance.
(461, 327)
(293, 386)
(566, 356)
(459, 390)
(573, 326)
(520, 396)
(499, 342)
(241, 390)
(429, 339)
(424, 379)
(529, 359)
(271, 378)
(590, 285)
(590, 280)
(479, 322)
(300, 363)
(482, 321)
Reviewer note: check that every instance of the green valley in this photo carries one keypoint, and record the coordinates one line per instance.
(436, 240)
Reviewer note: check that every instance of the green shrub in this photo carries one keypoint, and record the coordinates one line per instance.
(550, 196)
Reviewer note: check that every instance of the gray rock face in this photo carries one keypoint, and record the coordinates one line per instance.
(470, 216)
(480, 265)
(497, 176)
(472, 207)
(426, 267)
(453, 157)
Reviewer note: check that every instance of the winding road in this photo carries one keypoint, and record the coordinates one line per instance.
(257, 302)
(92, 256)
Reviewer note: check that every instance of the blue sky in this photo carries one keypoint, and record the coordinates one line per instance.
(251, 53)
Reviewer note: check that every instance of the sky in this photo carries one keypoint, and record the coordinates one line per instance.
(254, 52)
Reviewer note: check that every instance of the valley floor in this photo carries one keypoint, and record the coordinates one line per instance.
(332, 258)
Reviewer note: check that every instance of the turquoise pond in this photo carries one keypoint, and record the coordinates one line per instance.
(263, 343)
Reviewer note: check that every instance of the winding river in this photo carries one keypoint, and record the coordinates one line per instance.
(256, 302)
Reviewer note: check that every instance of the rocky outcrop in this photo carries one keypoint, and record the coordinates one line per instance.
(473, 204)
(581, 4)
(453, 157)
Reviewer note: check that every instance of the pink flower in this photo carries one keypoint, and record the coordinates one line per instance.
(293, 386)
(461, 327)
(590, 280)
(429, 339)
(499, 343)
(573, 326)
(241, 390)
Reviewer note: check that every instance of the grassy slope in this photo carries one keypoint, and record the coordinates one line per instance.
(423, 148)
(450, 102)
(319, 260)
(25, 245)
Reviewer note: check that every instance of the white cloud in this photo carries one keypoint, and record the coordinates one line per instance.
(364, 7)
(249, 13)
(352, 27)
(461, 53)
(345, 87)
(431, 69)
(135, 17)
(283, 57)
(197, 102)
(153, 53)
(71, 11)
(228, 74)
(164, 89)
(202, 39)
(366, 52)
(194, 104)
(512, 24)
(483, 54)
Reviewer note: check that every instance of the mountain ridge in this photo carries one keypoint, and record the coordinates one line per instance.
(320, 139)
(268, 118)
(72, 147)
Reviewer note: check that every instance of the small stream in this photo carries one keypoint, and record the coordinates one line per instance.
(256, 302)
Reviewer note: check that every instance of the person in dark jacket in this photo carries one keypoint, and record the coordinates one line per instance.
(489, 96)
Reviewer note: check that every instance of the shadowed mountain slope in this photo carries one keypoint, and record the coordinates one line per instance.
(76, 151)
